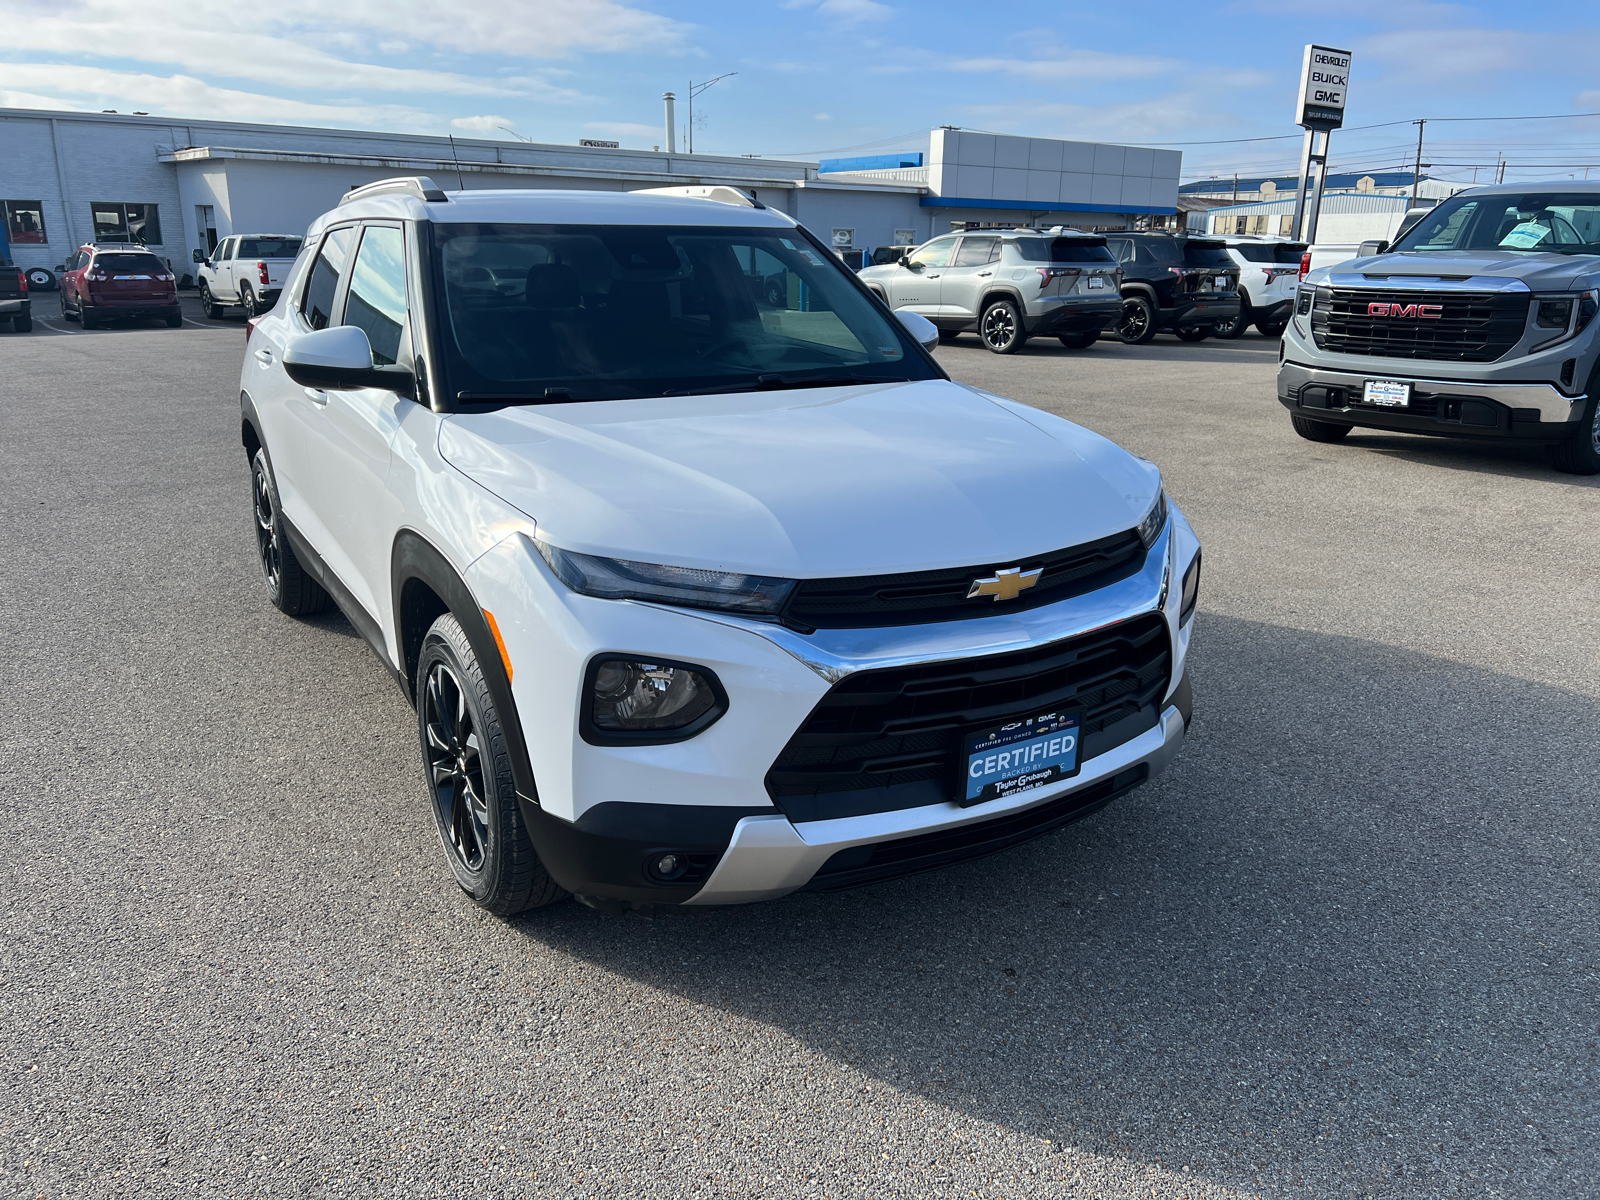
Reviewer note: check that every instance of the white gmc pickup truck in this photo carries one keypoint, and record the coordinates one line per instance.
(245, 270)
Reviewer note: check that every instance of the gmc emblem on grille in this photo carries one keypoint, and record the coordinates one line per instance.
(1420, 312)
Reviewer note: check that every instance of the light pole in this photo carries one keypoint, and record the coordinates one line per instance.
(694, 90)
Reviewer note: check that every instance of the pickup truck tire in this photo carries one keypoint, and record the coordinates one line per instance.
(1000, 327)
(1271, 329)
(22, 322)
(1579, 454)
(1079, 341)
(1318, 431)
(40, 279)
(208, 303)
(247, 298)
(1233, 328)
(468, 765)
(1137, 324)
(290, 588)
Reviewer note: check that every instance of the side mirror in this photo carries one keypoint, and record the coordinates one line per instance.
(1368, 249)
(909, 265)
(919, 327)
(199, 256)
(340, 358)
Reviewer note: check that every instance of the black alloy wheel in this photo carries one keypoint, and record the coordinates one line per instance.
(289, 587)
(208, 303)
(475, 805)
(1192, 333)
(247, 298)
(1233, 327)
(1001, 328)
(1137, 324)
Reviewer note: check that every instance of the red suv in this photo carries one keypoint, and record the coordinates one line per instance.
(107, 280)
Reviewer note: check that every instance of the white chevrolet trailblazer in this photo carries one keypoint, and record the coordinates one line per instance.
(708, 585)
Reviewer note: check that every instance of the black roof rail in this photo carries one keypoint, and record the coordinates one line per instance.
(419, 186)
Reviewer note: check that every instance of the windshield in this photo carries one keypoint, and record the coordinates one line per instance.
(593, 312)
(269, 247)
(1539, 222)
(1064, 250)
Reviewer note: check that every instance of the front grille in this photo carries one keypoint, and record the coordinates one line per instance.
(1472, 327)
(891, 739)
(924, 597)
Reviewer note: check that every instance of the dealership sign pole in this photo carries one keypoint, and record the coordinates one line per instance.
(1324, 89)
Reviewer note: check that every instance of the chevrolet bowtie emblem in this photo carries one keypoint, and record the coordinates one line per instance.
(1006, 584)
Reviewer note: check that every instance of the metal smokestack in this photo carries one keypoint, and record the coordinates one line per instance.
(672, 123)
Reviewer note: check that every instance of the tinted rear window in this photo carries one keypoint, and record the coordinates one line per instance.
(144, 264)
(1205, 254)
(1064, 250)
(269, 247)
(1256, 252)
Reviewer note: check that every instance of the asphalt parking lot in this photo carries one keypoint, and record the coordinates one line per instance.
(1347, 946)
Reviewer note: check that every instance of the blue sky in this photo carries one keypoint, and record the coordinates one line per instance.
(817, 76)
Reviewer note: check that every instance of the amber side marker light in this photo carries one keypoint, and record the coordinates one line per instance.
(494, 628)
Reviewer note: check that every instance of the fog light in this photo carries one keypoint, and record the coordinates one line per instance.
(648, 700)
(1191, 592)
(668, 865)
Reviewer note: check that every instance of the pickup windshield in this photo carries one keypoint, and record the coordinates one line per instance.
(1536, 222)
(540, 313)
(269, 247)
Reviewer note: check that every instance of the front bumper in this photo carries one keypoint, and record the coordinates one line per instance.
(602, 813)
(1448, 407)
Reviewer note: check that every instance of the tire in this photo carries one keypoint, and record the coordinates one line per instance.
(290, 588)
(247, 298)
(175, 320)
(1079, 341)
(468, 767)
(1318, 431)
(1233, 329)
(22, 322)
(86, 318)
(1193, 333)
(946, 336)
(40, 279)
(208, 303)
(1271, 329)
(1000, 327)
(1579, 454)
(1137, 324)
(66, 313)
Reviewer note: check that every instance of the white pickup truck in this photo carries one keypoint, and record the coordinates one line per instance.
(246, 270)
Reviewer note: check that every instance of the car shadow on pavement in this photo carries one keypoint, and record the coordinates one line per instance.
(1513, 460)
(1348, 941)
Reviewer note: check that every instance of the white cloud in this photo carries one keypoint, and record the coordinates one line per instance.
(1084, 66)
(1136, 121)
(823, 117)
(626, 129)
(849, 12)
(92, 89)
(1454, 55)
(482, 124)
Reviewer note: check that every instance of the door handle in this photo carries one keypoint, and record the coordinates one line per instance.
(264, 357)
(317, 396)
(984, 274)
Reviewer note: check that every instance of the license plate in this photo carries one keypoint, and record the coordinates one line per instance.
(1389, 393)
(1096, 281)
(1224, 283)
(1020, 756)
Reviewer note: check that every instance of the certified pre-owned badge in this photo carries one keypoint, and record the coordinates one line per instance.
(1005, 584)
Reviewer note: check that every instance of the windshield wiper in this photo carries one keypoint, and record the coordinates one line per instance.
(549, 395)
(777, 383)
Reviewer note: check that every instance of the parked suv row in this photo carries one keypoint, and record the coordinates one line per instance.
(1269, 269)
(1007, 284)
(1173, 281)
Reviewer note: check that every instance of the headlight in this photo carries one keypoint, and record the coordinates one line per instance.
(1563, 315)
(631, 700)
(622, 579)
(1154, 521)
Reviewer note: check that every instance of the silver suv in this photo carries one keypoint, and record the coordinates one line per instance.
(1479, 323)
(1008, 285)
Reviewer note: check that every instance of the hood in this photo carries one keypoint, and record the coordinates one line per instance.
(1541, 272)
(805, 484)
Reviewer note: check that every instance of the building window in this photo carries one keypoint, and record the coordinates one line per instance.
(843, 238)
(137, 223)
(24, 222)
(905, 237)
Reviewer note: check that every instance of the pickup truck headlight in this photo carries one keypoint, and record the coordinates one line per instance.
(1560, 316)
(691, 587)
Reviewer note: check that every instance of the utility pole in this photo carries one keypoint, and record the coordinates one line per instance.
(694, 90)
(1416, 172)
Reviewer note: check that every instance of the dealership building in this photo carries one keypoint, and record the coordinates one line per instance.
(181, 186)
